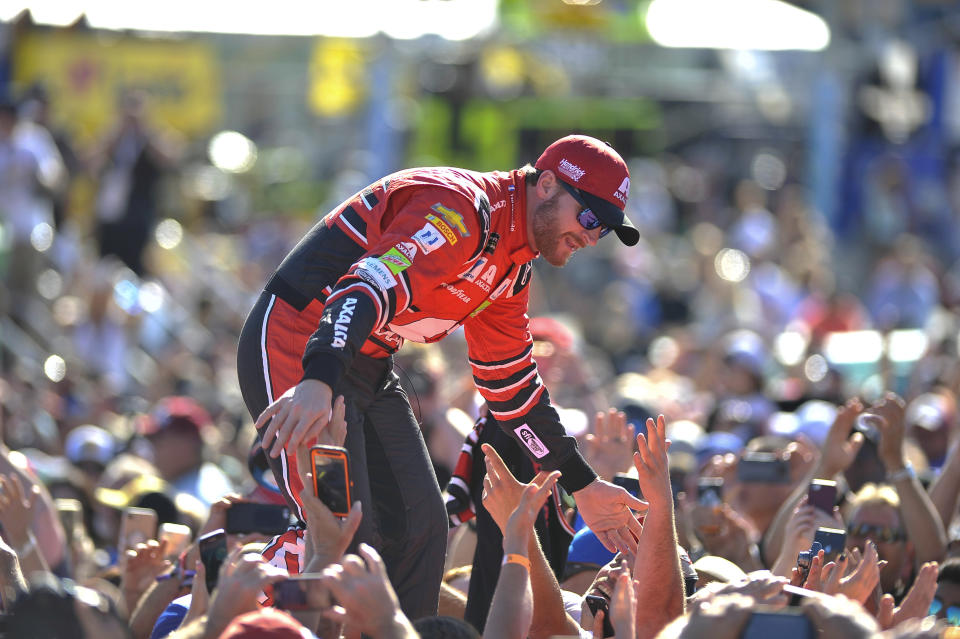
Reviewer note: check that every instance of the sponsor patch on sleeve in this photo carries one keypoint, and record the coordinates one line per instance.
(452, 218)
(531, 441)
(429, 238)
(442, 226)
(395, 260)
(376, 272)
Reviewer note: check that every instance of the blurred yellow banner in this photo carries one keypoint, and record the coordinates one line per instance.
(85, 75)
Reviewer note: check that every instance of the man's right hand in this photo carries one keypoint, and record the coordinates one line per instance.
(296, 417)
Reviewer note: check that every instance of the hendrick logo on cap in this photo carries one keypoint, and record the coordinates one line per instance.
(571, 170)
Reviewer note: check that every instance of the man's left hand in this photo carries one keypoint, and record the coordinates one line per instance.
(606, 510)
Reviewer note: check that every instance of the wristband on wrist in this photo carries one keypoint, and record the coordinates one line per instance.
(907, 472)
(512, 558)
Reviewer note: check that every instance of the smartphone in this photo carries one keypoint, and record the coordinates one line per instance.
(331, 478)
(766, 468)
(628, 483)
(833, 541)
(710, 491)
(213, 551)
(866, 423)
(786, 623)
(137, 526)
(596, 603)
(177, 537)
(822, 494)
(71, 517)
(291, 593)
(248, 517)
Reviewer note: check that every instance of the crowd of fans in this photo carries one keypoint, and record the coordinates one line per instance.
(698, 364)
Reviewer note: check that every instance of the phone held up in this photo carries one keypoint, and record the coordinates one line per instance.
(291, 593)
(213, 552)
(137, 526)
(331, 478)
(710, 491)
(248, 517)
(596, 603)
(822, 494)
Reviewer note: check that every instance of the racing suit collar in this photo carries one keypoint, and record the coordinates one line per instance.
(520, 251)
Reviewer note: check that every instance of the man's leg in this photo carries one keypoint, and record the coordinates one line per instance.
(410, 513)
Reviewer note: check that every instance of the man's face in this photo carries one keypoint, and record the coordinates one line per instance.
(556, 231)
(874, 521)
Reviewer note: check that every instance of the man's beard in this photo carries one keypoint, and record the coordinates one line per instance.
(548, 239)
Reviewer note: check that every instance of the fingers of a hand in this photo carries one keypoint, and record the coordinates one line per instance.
(374, 562)
(605, 539)
(307, 427)
(539, 497)
(541, 477)
(598, 624)
(265, 416)
(495, 465)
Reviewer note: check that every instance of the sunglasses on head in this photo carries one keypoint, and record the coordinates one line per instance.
(952, 614)
(587, 218)
(885, 534)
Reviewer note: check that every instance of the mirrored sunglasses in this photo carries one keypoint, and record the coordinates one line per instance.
(952, 614)
(586, 217)
(884, 534)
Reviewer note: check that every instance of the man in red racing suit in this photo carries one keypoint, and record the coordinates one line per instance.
(415, 256)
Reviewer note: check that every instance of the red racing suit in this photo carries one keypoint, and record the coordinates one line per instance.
(415, 256)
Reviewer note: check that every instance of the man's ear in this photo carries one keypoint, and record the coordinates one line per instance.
(547, 184)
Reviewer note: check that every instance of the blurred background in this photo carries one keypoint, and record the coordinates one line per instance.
(794, 173)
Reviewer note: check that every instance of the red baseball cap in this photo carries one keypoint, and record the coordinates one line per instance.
(600, 176)
(265, 623)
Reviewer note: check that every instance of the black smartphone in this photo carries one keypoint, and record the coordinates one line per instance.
(710, 491)
(866, 423)
(628, 483)
(833, 541)
(291, 593)
(822, 494)
(787, 623)
(213, 552)
(596, 603)
(766, 468)
(247, 517)
(331, 477)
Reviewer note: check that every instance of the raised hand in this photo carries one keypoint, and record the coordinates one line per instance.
(890, 411)
(650, 460)
(917, 602)
(144, 564)
(327, 536)
(607, 449)
(296, 417)
(16, 509)
(367, 602)
(840, 448)
(519, 526)
(501, 490)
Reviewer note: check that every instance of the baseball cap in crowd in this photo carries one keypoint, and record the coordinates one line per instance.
(586, 552)
(926, 411)
(718, 443)
(813, 418)
(599, 175)
(265, 623)
(745, 348)
(146, 491)
(89, 444)
(176, 413)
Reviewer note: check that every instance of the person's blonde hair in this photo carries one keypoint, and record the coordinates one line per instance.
(876, 494)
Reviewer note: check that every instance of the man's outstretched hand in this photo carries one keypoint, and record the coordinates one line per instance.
(296, 417)
(606, 509)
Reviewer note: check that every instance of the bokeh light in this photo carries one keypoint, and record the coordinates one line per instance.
(732, 265)
(55, 368)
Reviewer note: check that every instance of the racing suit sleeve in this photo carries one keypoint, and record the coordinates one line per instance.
(500, 348)
(410, 254)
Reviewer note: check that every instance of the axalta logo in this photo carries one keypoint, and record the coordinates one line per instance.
(623, 190)
(571, 170)
(531, 441)
(457, 292)
(409, 249)
(343, 322)
(498, 205)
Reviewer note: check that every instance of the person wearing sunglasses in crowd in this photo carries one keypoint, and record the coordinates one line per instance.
(946, 603)
(414, 256)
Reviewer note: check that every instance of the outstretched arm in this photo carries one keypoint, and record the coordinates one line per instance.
(657, 565)
(501, 495)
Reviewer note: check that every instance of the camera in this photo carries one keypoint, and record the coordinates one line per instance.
(805, 559)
